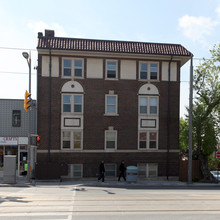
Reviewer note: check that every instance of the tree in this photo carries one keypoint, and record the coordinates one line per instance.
(183, 136)
(206, 109)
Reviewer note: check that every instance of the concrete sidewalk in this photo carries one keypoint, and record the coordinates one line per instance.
(22, 182)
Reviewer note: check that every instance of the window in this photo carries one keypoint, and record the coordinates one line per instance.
(147, 140)
(110, 170)
(73, 67)
(148, 105)
(75, 170)
(153, 105)
(153, 71)
(111, 105)
(73, 103)
(66, 139)
(67, 67)
(78, 68)
(152, 170)
(66, 103)
(16, 118)
(153, 140)
(143, 140)
(110, 140)
(111, 70)
(143, 105)
(72, 140)
(143, 71)
(77, 103)
(148, 170)
(148, 71)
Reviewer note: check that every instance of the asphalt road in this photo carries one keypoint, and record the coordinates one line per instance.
(87, 202)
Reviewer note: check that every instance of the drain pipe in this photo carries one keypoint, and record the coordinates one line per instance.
(168, 120)
(49, 107)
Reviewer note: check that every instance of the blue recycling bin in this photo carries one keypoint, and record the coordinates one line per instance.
(131, 173)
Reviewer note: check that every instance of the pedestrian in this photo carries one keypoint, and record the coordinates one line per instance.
(122, 170)
(102, 171)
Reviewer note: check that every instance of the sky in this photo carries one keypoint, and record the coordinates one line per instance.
(193, 24)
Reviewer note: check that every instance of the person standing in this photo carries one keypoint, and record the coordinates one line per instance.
(102, 171)
(122, 170)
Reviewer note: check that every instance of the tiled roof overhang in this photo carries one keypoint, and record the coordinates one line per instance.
(75, 44)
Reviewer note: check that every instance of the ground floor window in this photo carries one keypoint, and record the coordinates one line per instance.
(110, 170)
(147, 170)
(75, 170)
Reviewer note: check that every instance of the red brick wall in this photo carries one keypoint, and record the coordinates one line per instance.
(95, 123)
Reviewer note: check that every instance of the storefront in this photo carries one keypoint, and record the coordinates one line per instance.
(14, 146)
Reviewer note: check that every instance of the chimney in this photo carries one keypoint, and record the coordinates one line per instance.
(49, 33)
(40, 34)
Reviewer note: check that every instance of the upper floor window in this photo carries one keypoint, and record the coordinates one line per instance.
(73, 68)
(148, 71)
(147, 140)
(110, 140)
(73, 103)
(72, 139)
(111, 69)
(148, 105)
(111, 103)
(16, 118)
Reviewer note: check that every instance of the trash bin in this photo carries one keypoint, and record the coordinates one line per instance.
(131, 174)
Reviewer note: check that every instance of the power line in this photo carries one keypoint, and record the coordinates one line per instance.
(13, 48)
(15, 73)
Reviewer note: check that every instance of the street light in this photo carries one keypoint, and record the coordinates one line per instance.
(28, 58)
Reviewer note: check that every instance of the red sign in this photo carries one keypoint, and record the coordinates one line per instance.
(218, 155)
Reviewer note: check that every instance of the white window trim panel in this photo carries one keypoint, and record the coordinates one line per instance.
(116, 140)
(148, 70)
(147, 170)
(72, 104)
(72, 141)
(115, 169)
(111, 114)
(148, 140)
(148, 105)
(116, 74)
(72, 68)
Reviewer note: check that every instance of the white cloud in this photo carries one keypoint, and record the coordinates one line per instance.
(218, 10)
(197, 28)
(40, 26)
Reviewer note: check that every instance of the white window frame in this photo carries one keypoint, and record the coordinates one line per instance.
(116, 70)
(148, 105)
(148, 70)
(116, 105)
(146, 170)
(116, 138)
(114, 170)
(73, 67)
(72, 141)
(148, 140)
(72, 103)
(71, 171)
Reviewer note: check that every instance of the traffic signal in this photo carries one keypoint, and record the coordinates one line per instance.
(27, 100)
(38, 140)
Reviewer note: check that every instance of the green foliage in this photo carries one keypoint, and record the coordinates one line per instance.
(184, 135)
(206, 109)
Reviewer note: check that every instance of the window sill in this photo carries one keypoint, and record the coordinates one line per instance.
(111, 114)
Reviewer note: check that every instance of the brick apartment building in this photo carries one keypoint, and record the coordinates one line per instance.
(109, 100)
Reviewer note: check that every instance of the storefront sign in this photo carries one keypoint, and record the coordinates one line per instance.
(8, 140)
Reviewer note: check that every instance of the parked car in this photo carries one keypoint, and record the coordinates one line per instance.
(216, 174)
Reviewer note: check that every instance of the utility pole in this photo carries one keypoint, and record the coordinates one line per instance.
(190, 123)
